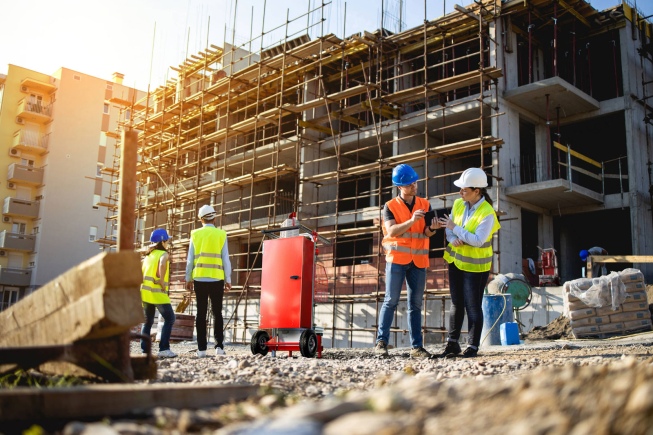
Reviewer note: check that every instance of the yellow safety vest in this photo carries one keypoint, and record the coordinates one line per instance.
(412, 245)
(151, 291)
(207, 245)
(466, 257)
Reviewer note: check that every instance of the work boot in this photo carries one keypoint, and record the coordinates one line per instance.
(451, 350)
(419, 352)
(381, 349)
(201, 353)
(219, 351)
(470, 352)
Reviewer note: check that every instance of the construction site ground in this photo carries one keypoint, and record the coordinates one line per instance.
(539, 386)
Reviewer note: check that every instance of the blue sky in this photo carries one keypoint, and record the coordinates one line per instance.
(98, 37)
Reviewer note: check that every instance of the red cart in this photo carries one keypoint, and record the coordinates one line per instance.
(287, 293)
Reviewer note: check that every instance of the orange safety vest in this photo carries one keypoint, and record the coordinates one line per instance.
(413, 245)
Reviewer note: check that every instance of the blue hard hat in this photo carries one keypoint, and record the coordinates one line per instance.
(584, 254)
(403, 175)
(159, 235)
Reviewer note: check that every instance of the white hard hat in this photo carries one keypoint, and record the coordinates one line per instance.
(472, 177)
(206, 212)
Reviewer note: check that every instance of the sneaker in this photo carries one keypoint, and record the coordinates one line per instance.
(381, 349)
(451, 350)
(470, 352)
(419, 352)
(167, 354)
(219, 351)
(201, 353)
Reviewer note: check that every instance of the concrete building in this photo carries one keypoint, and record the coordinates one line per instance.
(550, 98)
(54, 134)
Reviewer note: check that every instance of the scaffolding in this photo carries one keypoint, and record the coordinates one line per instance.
(315, 127)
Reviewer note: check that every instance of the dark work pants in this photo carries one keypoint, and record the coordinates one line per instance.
(205, 290)
(466, 290)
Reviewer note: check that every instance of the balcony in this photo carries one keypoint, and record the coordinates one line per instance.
(28, 84)
(13, 276)
(20, 208)
(541, 98)
(572, 182)
(16, 241)
(23, 174)
(36, 112)
(29, 141)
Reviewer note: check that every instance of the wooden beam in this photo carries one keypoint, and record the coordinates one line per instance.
(26, 404)
(98, 298)
(621, 258)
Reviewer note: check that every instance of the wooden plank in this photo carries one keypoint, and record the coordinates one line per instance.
(97, 401)
(98, 298)
(621, 258)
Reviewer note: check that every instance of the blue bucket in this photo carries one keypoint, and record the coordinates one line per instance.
(497, 309)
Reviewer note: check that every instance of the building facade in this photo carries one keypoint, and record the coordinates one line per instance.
(54, 141)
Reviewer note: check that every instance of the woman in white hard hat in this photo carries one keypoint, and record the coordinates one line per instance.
(469, 231)
(154, 291)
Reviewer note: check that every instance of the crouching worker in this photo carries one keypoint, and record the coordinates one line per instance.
(154, 291)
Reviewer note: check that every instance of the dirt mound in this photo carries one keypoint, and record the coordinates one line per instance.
(559, 328)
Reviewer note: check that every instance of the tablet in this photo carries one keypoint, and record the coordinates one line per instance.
(429, 215)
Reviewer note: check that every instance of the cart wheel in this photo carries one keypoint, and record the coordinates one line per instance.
(308, 343)
(259, 343)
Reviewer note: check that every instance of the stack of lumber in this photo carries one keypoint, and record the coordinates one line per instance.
(613, 310)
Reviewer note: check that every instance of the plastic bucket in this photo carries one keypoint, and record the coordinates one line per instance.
(497, 309)
(509, 333)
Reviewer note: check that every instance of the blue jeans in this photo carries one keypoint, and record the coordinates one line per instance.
(466, 290)
(169, 319)
(415, 278)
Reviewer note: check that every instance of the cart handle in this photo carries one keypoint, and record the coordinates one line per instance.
(297, 227)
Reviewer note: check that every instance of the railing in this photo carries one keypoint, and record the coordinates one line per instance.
(606, 177)
(31, 139)
(15, 276)
(37, 107)
(25, 173)
(17, 241)
(14, 206)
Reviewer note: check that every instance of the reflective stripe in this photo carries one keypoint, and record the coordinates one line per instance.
(153, 289)
(406, 250)
(472, 260)
(209, 255)
(209, 266)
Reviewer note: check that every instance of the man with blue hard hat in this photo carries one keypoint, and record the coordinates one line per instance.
(598, 269)
(406, 243)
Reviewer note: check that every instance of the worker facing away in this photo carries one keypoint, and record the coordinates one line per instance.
(155, 289)
(406, 243)
(208, 274)
(598, 269)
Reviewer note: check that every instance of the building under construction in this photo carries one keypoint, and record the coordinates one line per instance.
(549, 97)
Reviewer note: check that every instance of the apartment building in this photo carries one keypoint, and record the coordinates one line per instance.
(550, 98)
(54, 134)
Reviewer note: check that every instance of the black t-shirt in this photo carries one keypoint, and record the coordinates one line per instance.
(387, 214)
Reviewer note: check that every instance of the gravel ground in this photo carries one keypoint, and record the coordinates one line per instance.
(543, 386)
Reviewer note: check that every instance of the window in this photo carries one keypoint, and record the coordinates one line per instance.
(27, 162)
(18, 227)
(106, 109)
(99, 169)
(96, 201)
(93, 234)
(9, 297)
(355, 249)
(109, 87)
(128, 115)
(103, 139)
(35, 230)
